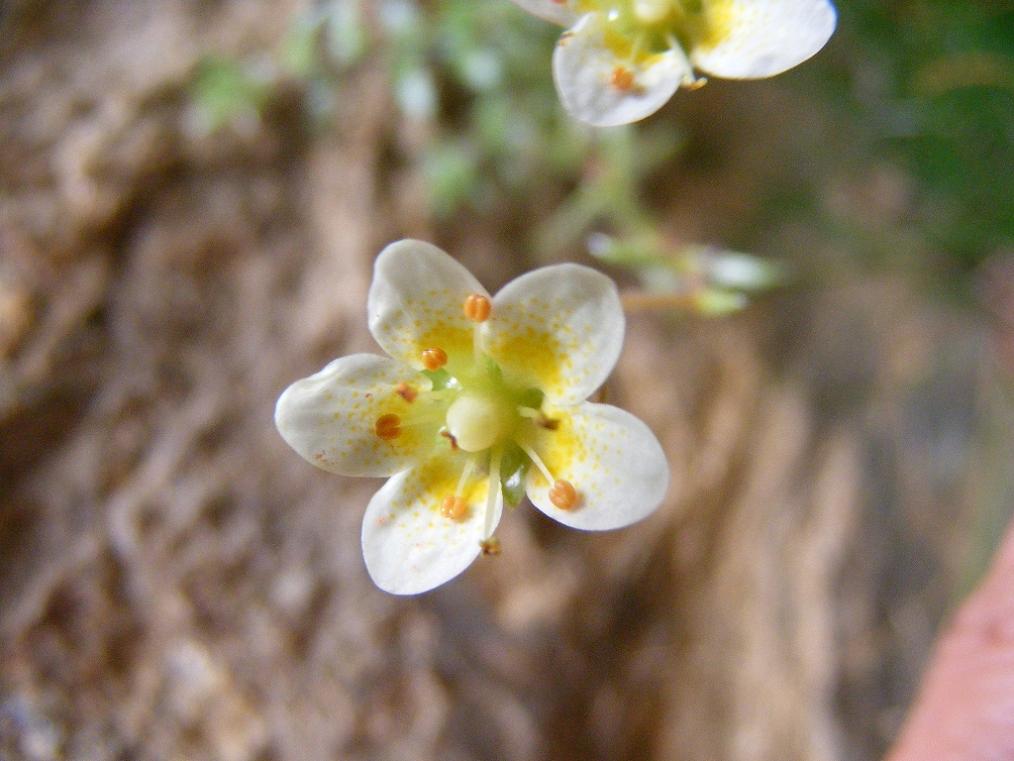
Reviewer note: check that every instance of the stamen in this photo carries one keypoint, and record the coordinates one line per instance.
(539, 418)
(406, 392)
(494, 493)
(387, 427)
(434, 358)
(622, 79)
(477, 308)
(465, 475)
(490, 547)
(455, 508)
(450, 437)
(534, 457)
(564, 495)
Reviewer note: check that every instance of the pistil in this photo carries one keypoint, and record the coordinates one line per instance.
(477, 421)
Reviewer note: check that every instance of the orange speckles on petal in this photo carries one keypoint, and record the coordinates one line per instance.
(477, 307)
(406, 392)
(434, 358)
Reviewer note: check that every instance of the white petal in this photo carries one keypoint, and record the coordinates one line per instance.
(409, 547)
(593, 83)
(329, 418)
(551, 10)
(416, 302)
(611, 458)
(761, 38)
(558, 329)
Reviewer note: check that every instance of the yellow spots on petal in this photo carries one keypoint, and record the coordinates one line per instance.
(561, 448)
(427, 318)
(536, 357)
(454, 340)
(712, 25)
(373, 426)
(434, 489)
(540, 345)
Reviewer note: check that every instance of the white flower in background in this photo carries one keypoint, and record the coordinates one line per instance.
(481, 399)
(621, 60)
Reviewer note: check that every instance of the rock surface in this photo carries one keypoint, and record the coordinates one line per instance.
(177, 584)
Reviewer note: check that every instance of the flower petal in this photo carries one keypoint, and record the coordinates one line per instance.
(598, 88)
(551, 10)
(611, 458)
(409, 547)
(558, 329)
(761, 38)
(329, 417)
(416, 302)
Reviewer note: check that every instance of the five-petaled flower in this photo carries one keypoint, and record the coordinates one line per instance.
(621, 60)
(482, 399)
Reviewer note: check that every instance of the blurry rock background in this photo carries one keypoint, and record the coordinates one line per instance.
(191, 195)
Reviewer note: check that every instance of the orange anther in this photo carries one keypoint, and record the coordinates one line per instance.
(564, 495)
(477, 308)
(454, 508)
(387, 427)
(450, 437)
(434, 359)
(622, 79)
(406, 392)
(490, 547)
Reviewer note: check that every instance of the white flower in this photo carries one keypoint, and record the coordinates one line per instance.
(621, 60)
(481, 398)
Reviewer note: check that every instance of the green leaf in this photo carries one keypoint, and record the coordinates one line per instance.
(440, 379)
(513, 470)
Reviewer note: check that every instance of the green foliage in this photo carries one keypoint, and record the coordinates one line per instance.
(926, 84)
(225, 91)
(941, 105)
(708, 280)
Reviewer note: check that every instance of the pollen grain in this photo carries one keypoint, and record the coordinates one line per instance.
(477, 308)
(387, 427)
(434, 358)
(455, 508)
(622, 79)
(563, 494)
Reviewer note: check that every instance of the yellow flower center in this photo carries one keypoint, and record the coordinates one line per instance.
(470, 407)
(636, 30)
